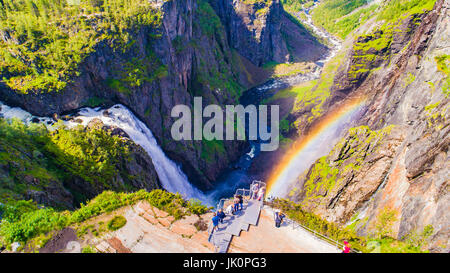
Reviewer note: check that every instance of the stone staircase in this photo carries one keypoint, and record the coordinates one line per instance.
(234, 224)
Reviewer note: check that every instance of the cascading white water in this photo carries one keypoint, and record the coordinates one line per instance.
(335, 43)
(299, 78)
(16, 112)
(170, 174)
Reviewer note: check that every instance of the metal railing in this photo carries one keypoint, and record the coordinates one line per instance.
(222, 203)
(246, 193)
(318, 235)
(243, 192)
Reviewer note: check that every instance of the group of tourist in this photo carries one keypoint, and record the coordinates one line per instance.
(257, 193)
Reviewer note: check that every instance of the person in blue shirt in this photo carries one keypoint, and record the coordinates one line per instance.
(215, 221)
(241, 201)
(221, 215)
(236, 203)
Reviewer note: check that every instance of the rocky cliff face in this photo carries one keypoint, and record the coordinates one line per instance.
(188, 55)
(402, 166)
(194, 52)
(262, 31)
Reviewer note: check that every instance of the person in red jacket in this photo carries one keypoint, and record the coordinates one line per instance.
(346, 248)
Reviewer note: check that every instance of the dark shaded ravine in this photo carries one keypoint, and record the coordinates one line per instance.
(239, 174)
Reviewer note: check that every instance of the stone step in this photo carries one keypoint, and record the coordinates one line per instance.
(252, 213)
(223, 242)
(233, 225)
(245, 226)
(223, 247)
(234, 228)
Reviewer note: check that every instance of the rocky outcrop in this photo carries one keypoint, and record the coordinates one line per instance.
(262, 31)
(134, 170)
(149, 229)
(341, 183)
(406, 172)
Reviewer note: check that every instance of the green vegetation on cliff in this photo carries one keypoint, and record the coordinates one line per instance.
(261, 5)
(211, 149)
(44, 41)
(443, 64)
(329, 13)
(296, 5)
(35, 158)
(345, 25)
(208, 19)
(341, 17)
(318, 94)
(90, 154)
(379, 242)
(23, 220)
(394, 11)
(22, 155)
(371, 50)
(220, 76)
(329, 170)
(311, 94)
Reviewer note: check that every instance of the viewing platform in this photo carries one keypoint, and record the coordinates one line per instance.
(240, 221)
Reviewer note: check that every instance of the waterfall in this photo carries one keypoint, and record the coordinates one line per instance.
(170, 174)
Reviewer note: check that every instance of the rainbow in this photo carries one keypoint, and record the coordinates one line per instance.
(318, 142)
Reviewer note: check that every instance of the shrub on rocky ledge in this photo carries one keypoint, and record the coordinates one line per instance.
(37, 221)
(117, 222)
